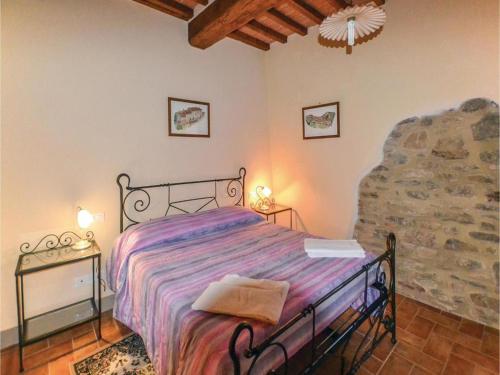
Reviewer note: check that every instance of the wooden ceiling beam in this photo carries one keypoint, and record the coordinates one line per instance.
(307, 11)
(170, 7)
(286, 22)
(338, 4)
(250, 40)
(266, 31)
(222, 17)
(201, 2)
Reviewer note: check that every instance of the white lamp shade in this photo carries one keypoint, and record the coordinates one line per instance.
(266, 191)
(352, 23)
(84, 218)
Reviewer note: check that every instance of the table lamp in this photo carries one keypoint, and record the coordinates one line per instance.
(85, 220)
(264, 201)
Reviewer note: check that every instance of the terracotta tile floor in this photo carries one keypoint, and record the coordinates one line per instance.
(429, 342)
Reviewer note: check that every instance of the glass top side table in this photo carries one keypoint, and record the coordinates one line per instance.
(50, 252)
(273, 210)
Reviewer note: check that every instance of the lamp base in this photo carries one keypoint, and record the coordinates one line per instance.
(81, 245)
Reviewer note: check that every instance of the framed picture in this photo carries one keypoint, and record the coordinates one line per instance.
(188, 118)
(321, 121)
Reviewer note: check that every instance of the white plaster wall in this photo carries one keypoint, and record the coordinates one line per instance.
(85, 87)
(431, 55)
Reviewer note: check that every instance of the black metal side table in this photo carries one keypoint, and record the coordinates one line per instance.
(56, 251)
(273, 210)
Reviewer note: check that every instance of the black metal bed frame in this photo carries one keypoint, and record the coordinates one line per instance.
(378, 316)
(235, 188)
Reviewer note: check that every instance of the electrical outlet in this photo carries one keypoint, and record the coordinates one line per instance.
(81, 281)
(99, 217)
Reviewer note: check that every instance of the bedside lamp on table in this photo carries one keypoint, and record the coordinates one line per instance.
(263, 202)
(85, 220)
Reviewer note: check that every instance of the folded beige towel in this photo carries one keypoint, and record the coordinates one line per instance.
(259, 299)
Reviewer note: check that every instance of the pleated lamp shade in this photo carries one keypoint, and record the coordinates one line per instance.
(352, 23)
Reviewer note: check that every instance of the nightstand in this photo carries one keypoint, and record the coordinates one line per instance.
(56, 252)
(273, 210)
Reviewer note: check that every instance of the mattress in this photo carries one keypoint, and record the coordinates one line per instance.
(157, 270)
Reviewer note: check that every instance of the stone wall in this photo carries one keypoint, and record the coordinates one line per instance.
(437, 190)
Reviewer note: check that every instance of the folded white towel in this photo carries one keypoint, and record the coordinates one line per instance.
(335, 254)
(322, 244)
(245, 297)
(320, 248)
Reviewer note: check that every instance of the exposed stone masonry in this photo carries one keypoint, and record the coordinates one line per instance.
(437, 190)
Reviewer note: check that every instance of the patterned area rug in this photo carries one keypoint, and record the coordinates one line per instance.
(126, 357)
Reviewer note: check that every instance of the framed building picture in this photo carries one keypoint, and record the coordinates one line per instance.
(188, 118)
(321, 121)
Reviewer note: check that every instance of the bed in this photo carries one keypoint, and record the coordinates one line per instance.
(159, 267)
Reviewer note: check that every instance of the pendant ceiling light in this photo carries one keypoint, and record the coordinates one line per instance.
(352, 23)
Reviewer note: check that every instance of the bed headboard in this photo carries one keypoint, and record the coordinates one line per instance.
(136, 201)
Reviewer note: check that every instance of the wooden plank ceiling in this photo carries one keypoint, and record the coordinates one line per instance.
(257, 23)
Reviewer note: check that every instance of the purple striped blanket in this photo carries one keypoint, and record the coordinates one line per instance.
(158, 268)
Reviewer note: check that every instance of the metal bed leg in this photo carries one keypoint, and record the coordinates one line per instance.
(391, 240)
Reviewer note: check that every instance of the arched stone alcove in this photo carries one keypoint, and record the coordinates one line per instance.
(437, 189)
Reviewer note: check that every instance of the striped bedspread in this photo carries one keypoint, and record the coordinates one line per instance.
(158, 268)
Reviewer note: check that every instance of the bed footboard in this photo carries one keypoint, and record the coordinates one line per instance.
(353, 336)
